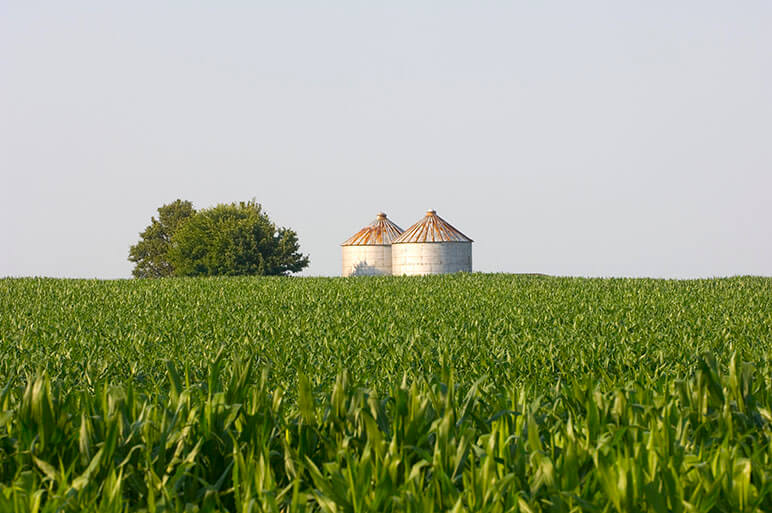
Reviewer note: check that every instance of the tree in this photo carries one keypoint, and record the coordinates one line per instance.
(150, 254)
(233, 240)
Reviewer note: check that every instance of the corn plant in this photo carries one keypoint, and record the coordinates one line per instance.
(454, 393)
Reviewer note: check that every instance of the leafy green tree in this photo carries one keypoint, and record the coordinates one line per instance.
(232, 240)
(150, 254)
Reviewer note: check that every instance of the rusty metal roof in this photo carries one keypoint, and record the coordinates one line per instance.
(380, 232)
(432, 228)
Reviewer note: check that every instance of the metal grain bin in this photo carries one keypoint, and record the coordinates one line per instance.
(431, 246)
(368, 252)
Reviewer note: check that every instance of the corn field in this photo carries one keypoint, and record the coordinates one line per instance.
(450, 393)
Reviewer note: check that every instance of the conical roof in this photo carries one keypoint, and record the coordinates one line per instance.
(380, 232)
(432, 228)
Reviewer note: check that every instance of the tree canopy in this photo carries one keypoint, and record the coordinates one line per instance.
(150, 254)
(226, 240)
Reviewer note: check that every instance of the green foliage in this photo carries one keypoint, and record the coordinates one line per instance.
(226, 240)
(449, 393)
(521, 330)
(150, 254)
(235, 240)
(233, 444)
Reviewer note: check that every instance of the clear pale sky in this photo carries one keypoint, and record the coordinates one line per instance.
(571, 138)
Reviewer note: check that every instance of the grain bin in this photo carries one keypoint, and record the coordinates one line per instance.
(368, 251)
(431, 246)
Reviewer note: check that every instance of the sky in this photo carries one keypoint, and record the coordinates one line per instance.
(569, 138)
